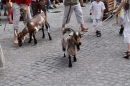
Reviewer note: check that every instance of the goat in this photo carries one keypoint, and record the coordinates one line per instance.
(71, 42)
(33, 26)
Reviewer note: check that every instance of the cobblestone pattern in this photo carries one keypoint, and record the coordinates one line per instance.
(99, 62)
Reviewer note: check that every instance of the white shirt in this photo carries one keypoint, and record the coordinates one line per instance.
(97, 8)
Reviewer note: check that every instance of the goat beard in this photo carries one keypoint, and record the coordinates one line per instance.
(78, 47)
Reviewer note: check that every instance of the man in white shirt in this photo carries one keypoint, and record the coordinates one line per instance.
(97, 8)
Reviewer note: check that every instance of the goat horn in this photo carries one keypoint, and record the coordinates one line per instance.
(72, 29)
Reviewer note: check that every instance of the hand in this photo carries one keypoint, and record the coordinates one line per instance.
(115, 11)
(101, 17)
(25, 8)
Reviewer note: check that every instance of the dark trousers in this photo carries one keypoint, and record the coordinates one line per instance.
(38, 6)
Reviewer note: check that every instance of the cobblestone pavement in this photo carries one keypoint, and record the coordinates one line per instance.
(100, 61)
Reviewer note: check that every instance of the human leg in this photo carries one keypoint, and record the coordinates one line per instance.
(16, 16)
(47, 5)
(5, 9)
(121, 30)
(98, 27)
(67, 15)
(121, 23)
(34, 7)
(42, 6)
(10, 16)
(79, 17)
(127, 53)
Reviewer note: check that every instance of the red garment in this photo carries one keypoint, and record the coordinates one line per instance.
(27, 2)
(9, 12)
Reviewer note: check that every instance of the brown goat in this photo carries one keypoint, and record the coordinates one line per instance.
(33, 26)
(71, 42)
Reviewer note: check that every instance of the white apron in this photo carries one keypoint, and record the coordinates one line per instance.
(127, 27)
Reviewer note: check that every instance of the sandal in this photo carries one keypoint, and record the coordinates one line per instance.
(127, 54)
(84, 29)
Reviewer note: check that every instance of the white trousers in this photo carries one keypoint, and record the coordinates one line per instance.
(16, 14)
(97, 24)
(78, 12)
(121, 19)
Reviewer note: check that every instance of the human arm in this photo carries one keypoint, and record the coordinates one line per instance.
(102, 14)
(120, 6)
(102, 11)
(27, 2)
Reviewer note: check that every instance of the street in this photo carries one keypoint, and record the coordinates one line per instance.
(100, 61)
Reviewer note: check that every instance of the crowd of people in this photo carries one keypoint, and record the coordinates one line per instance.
(31, 8)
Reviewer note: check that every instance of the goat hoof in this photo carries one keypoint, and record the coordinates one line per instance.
(29, 41)
(43, 36)
(50, 38)
(35, 43)
(75, 60)
(70, 65)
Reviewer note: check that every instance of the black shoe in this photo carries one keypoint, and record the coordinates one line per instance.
(121, 31)
(51, 8)
(98, 33)
(83, 6)
(54, 6)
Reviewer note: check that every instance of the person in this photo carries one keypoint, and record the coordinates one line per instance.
(17, 5)
(126, 5)
(120, 15)
(97, 8)
(117, 3)
(37, 6)
(10, 14)
(48, 6)
(68, 10)
(4, 6)
(81, 3)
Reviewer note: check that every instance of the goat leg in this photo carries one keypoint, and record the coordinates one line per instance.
(49, 36)
(70, 64)
(35, 41)
(30, 39)
(48, 28)
(75, 60)
(64, 55)
(64, 52)
(43, 32)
